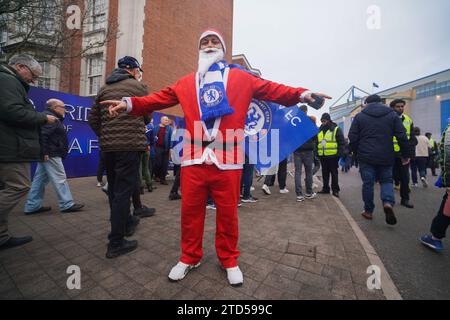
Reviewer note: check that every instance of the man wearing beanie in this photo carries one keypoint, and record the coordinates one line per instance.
(330, 148)
(371, 135)
(215, 100)
(122, 141)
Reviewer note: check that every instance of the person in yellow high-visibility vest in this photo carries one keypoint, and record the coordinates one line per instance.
(330, 148)
(434, 154)
(401, 168)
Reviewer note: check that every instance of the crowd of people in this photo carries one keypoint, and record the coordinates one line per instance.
(135, 153)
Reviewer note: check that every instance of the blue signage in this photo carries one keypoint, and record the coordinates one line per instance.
(83, 157)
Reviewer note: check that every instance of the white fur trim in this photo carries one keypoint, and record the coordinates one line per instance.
(129, 104)
(213, 33)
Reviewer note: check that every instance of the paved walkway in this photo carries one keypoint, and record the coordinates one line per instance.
(289, 250)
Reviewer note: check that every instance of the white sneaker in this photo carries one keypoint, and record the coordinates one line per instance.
(424, 182)
(99, 184)
(181, 270)
(266, 189)
(235, 276)
(300, 198)
(311, 196)
(284, 191)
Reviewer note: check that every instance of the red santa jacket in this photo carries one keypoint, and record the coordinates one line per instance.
(241, 87)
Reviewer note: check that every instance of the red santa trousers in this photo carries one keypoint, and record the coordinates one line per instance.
(223, 186)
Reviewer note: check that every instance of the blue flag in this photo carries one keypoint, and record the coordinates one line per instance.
(273, 132)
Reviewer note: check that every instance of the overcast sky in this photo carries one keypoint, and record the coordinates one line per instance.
(327, 46)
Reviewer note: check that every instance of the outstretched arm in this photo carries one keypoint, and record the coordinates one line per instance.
(139, 106)
(281, 94)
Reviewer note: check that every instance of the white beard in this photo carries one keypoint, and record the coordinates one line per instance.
(207, 58)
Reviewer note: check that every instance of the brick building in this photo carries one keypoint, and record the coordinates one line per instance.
(161, 34)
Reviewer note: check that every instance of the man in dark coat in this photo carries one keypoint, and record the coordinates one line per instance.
(122, 141)
(55, 149)
(19, 143)
(371, 139)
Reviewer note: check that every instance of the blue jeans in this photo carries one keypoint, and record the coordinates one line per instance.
(49, 171)
(371, 174)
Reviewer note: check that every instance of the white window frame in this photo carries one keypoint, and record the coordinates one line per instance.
(98, 15)
(45, 80)
(94, 74)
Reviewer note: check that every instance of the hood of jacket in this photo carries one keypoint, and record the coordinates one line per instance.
(118, 75)
(330, 126)
(4, 68)
(377, 110)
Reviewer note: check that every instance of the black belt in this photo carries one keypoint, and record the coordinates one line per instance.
(206, 144)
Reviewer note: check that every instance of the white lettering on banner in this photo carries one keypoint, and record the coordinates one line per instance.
(77, 113)
(75, 145)
(68, 128)
(291, 118)
(92, 146)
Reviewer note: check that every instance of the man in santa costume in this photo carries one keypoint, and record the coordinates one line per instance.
(215, 100)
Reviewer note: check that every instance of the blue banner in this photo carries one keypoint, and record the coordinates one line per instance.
(274, 132)
(83, 157)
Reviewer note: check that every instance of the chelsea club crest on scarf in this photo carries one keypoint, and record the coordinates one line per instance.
(212, 95)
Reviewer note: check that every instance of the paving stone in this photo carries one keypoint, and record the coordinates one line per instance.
(285, 254)
(266, 292)
(363, 293)
(36, 287)
(185, 294)
(310, 265)
(285, 271)
(126, 291)
(314, 293)
(163, 288)
(13, 294)
(283, 284)
(207, 288)
(6, 284)
(114, 281)
(344, 288)
(291, 260)
(301, 249)
(96, 293)
(313, 280)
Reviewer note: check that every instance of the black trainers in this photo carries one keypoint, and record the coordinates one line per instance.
(144, 212)
(15, 242)
(323, 192)
(76, 207)
(123, 248)
(41, 209)
(390, 216)
(406, 204)
(174, 196)
(336, 194)
(132, 225)
(250, 199)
